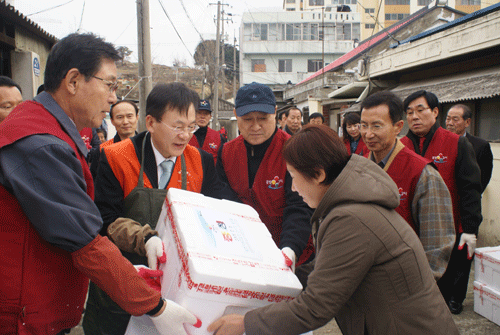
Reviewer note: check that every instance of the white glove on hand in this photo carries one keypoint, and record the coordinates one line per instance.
(154, 250)
(172, 320)
(470, 240)
(289, 255)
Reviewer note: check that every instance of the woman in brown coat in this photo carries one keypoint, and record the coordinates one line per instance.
(370, 270)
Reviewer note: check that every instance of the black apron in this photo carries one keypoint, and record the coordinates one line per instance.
(104, 316)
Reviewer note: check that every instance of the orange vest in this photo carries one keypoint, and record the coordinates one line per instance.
(107, 143)
(122, 159)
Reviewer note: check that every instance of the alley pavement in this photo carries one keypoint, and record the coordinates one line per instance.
(468, 322)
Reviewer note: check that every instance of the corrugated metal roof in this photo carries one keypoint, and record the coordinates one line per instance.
(367, 44)
(459, 21)
(16, 17)
(466, 86)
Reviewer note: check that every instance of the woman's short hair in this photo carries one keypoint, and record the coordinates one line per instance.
(349, 119)
(313, 148)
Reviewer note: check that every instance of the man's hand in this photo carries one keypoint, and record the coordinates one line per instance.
(290, 257)
(470, 240)
(152, 277)
(155, 252)
(232, 324)
(170, 320)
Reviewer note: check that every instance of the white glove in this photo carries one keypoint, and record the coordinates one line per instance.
(289, 255)
(171, 321)
(470, 240)
(154, 250)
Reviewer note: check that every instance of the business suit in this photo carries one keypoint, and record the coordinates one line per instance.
(484, 158)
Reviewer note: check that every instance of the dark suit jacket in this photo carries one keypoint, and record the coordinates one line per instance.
(484, 158)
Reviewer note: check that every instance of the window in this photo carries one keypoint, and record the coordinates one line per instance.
(397, 2)
(247, 31)
(423, 2)
(290, 9)
(314, 65)
(292, 32)
(285, 65)
(310, 32)
(274, 30)
(395, 16)
(369, 26)
(471, 2)
(369, 10)
(329, 32)
(290, 1)
(258, 65)
(343, 2)
(356, 31)
(316, 2)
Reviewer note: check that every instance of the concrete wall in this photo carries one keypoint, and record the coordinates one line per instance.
(489, 231)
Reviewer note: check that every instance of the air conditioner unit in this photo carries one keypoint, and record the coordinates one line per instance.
(26, 72)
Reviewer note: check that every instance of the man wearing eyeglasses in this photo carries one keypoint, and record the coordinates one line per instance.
(424, 200)
(454, 157)
(49, 224)
(10, 96)
(168, 161)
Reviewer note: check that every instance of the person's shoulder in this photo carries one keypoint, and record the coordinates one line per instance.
(477, 141)
(410, 154)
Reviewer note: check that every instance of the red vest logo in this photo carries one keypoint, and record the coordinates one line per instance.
(275, 183)
(212, 146)
(439, 159)
(402, 194)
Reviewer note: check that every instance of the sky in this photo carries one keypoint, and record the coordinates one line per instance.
(116, 22)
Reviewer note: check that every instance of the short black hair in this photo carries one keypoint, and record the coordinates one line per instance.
(467, 112)
(430, 97)
(84, 52)
(280, 115)
(287, 112)
(130, 102)
(100, 130)
(315, 115)
(8, 82)
(391, 100)
(171, 96)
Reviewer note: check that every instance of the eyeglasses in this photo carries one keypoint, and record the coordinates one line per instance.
(113, 86)
(418, 110)
(179, 130)
(374, 128)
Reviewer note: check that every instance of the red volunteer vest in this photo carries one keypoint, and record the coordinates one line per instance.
(41, 291)
(267, 194)
(361, 150)
(405, 169)
(122, 159)
(107, 143)
(211, 144)
(442, 151)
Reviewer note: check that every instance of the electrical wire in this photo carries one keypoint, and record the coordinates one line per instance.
(45, 10)
(190, 20)
(81, 17)
(168, 17)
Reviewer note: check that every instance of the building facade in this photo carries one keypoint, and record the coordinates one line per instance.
(280, 48)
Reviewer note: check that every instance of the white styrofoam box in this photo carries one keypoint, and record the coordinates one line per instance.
(487, 266)
(487, 302)
(221, 259)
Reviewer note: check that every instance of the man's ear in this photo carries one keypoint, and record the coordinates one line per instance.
(321, 176)
(72, 80)
(399, 126)
(149, 123)
(467, 122)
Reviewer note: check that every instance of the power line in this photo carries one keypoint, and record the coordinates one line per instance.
(190, 20)
(81, 17)
(168, 17)
(45, 10)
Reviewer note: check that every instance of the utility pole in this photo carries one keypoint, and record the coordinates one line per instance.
(223, 78)
(234, 67)
(203, 80)
(217, 69)
(144, 48)
(323, 45)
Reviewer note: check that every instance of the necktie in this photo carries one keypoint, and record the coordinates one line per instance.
(166, 167)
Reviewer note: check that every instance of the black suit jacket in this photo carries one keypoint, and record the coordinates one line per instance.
(484, 158)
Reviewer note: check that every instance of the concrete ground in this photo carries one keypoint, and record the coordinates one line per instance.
(468, 322)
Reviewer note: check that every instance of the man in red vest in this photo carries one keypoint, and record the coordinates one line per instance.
(49, 224)
(205, 137)
(454, 157)
(170, 123)
(253, 167)
(424, 200)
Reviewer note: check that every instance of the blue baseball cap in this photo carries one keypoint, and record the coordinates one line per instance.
(205, 105)
(255, 97)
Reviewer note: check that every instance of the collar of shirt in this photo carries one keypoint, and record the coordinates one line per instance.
(159, 159)
(384, 161)
(67, 124)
